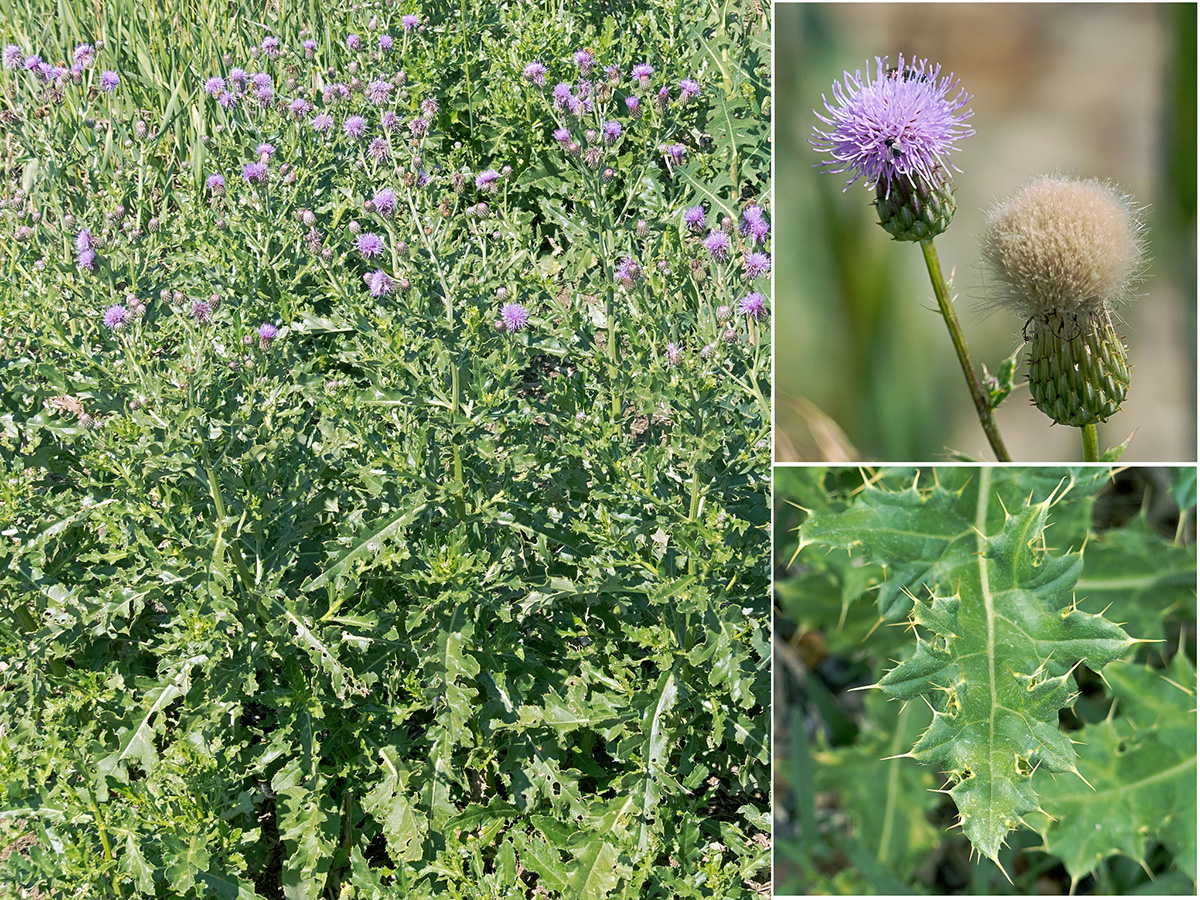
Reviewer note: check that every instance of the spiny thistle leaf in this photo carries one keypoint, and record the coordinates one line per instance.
(997, 641)
(1141, 762)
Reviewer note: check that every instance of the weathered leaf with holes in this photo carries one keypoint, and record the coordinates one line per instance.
(1141, 765)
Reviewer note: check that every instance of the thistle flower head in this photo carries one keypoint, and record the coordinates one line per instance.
(369, 244)
(753, 305)
(1060, 245)
(899, 127)
(109, 81)
(514, 316)
(116, 317)
(1065, 253)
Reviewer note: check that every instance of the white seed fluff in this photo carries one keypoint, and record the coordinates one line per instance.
(1061, 246)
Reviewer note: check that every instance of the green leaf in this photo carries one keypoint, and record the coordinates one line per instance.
(1140, 771)
(593, 874)
(887, 801)
(996, 644)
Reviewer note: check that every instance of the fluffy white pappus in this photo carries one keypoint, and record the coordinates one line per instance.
(1064, 248)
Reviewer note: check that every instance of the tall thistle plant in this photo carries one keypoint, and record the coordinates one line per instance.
(1066, 252)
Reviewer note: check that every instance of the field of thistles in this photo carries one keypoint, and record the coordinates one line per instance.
(384, 437)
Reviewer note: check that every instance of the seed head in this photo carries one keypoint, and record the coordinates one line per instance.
(1065, 253)
(1060, 245)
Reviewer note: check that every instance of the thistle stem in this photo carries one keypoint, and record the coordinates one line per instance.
(983, 407)
(1091, 443)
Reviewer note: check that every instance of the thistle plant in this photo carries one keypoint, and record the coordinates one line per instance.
(1066, 254)
(411, 464)
(896, 133)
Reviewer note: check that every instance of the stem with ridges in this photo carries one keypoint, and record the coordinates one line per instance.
(1091, 443)
(983, 407)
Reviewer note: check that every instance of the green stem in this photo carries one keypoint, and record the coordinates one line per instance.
(983, 407)
(1091, 443)
(235, 552)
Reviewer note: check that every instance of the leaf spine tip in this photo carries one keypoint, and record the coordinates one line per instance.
(1081, 778)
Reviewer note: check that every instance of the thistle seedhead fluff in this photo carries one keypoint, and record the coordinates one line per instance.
(1066, 253)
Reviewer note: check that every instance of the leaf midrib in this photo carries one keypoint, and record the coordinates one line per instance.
(981, 505)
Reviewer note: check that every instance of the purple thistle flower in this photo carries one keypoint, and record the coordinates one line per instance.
(753, 305)
(255, 173)
(201, 311)
(562, 95)
(385, 201)
(717, 244)
(379, 283)
(237, 78)
(13, 57)
(385, 43)
(85, 55)
(270, 46)
(429, 107)
(354, 126)
(641, 73)
(379, 150)
(260, 80)
(109, 81)
(899, 126)
(755, 265)
(264, 149)
(390, 121)
(754, 226)
(214, 86)
(418, 127)
(265, 95)
(486, 180)
(612, 131)
(116, 317)
(627, 271)
(266, 334)
(227, 100)
(32, 62)
(634, 106)
(215, 184)
(299, 107)
(674, 354)
(310, 48)
(322, 122)
(84, 240)
(86, 259)
(584, 59)
(694, 217)
(613, 74)
(409, 22)
(535, 73)
(515, 316)
(369, 245)
(663, 97)
(353, 41)
(378, 92)
(676, 152)
(687, 90)
(562, 135)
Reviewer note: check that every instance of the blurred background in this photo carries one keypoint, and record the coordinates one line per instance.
(865, 368)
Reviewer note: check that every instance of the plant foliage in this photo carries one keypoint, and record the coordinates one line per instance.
(988, 563)
(367, 532)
